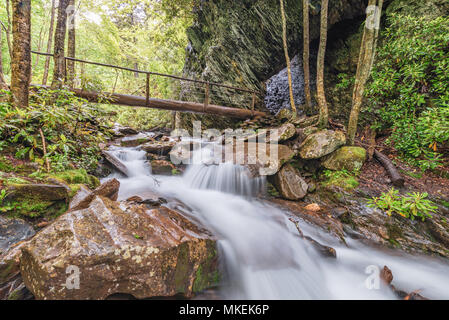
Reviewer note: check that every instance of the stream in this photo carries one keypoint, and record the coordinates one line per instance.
(261, 253)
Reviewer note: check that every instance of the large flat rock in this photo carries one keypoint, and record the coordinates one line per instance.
(123, 248)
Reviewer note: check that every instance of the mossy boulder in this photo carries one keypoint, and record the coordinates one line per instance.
(346, 158)
(39, 192)
(322, 143)
(125, 247)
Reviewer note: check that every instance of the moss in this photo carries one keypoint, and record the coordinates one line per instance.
(182, 269)
(207, 274)
(5, 165)
(74, 188)
(272, 191)
(79, 176)
(15, 180)
(341, 179)
(33, 208)
(394, 231)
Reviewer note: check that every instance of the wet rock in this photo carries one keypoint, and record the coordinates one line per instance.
(10, 263)
(40, 192)
(115, 162)
(290, 184)
(258, 157)
(13, 231)
(158, 147)
(346, 158)
(109, 189)
(134, 141)
(322, 143)
(322, 219)
(103, 169)
(339, 213)
(161, 167)
(274, 135)
(127, 131)
(127, 248)
(386, 275)
(15, 290)
(84, 196)
(325, 251)
(120, 131)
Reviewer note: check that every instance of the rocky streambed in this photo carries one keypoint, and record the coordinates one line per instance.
(151, 230)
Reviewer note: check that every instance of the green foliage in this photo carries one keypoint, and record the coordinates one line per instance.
(346, 81)
(410, 88)
(342, 179)
(413, 205)
(70, 125)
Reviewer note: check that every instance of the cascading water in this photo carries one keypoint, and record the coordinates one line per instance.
(263, 256)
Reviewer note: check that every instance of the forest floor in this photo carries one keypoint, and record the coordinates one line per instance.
(374, 178)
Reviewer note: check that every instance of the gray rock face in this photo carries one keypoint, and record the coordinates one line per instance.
(278, 95)
(290, 184)
(247, 43)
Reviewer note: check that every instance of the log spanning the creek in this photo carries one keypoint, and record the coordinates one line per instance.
(172, 105)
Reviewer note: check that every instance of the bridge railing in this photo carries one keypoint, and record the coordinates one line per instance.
(181, 88)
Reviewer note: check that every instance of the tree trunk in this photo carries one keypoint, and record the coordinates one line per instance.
(306, 54)
(365, 63)
(49, 43)
(71, 47)
(3, 84)
(321, 96)
(39, 45)
(21, 55)
(287, 58)
(61, 27)
(8, 30)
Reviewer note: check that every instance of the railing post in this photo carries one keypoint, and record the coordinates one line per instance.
(206, 98)
(253, 103)
(148, 90)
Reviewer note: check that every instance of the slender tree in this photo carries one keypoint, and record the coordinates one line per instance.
(59, 54)
(71, 45)
(8, 29)
(321, 96)
(39, 45)
(365, 63)
(3, 84)
(306, 53)
(21, 55)
(287, 58)
(50, 41)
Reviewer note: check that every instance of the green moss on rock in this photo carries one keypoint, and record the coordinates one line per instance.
(346, 158)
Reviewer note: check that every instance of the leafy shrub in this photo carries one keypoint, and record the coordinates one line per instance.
(70, 126)
(410, 88)
(413, 205)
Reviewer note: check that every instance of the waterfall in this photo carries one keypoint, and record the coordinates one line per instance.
(262, 255)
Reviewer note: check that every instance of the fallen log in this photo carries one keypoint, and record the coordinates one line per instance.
(396, 178)
(172, 105)
(115, 162)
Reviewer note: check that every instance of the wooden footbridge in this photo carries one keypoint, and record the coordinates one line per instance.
(148, 101)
